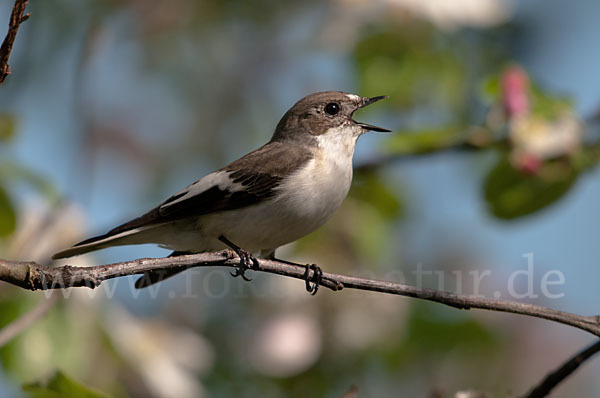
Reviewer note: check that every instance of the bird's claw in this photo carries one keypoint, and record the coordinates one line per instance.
(240, 272)
(247, 261)
(316, 278)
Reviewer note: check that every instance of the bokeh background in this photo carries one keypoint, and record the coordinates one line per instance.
(114, 105)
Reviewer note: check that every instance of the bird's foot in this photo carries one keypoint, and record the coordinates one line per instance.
(247, 261)
(315, 279)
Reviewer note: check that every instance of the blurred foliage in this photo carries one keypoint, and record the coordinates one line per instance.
(408, 64)
(70, 337)
(60, 386)
(371, 189)
(424, 75)
(429, 332)
(8, 217)
(12, 174)
(7, 128)
(430, 338)
(13, 354)
(544, 104)
(511, 193)
(425, 141)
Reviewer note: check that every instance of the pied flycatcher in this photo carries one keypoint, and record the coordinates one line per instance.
(272, 196)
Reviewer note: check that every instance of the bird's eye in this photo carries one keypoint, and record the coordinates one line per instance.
(332, 108)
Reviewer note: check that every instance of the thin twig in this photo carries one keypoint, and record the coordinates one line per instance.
(556, 377)
(30, 275)
(17, 17)
(19, 325)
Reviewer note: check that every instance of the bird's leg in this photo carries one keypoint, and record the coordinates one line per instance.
(316, 278)
(247, 260)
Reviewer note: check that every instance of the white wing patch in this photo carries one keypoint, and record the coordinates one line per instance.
(220, 179)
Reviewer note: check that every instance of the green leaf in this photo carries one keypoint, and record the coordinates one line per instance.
(8, 217)
(511, 193)
(8, 124)
(60, 386)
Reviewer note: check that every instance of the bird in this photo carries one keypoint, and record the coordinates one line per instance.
(269, 197)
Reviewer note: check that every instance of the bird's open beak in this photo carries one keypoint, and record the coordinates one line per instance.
(368, 101)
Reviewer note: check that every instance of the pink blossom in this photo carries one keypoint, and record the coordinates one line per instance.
(514, 83)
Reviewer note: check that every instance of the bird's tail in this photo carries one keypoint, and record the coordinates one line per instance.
(97, 243)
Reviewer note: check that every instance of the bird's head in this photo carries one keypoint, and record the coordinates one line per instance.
(325, 113)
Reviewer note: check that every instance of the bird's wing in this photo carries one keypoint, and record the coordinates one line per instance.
(246, 181)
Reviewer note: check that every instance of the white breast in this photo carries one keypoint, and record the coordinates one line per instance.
(318, 189)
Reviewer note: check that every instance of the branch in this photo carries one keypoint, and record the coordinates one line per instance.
(16, 19)
(30, 275)
(564, 371)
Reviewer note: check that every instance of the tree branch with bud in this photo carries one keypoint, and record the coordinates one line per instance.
(17, 17)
